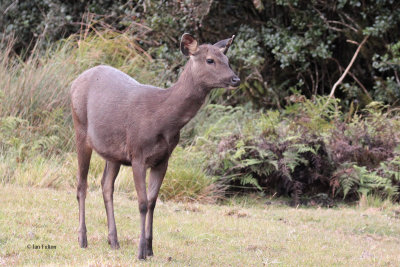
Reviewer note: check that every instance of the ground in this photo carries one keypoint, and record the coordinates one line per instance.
(234, 234)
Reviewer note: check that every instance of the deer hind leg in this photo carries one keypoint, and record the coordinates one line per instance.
(156, 178)
(84, 155)
(107, 183)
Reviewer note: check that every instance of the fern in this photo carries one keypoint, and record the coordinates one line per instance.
(370, 182)
(391, 169)
(360, 180)
(348, 183)
(293, 157)
(307, 144)
(250, 162)
(46, 143)
(10, 123)
(303, 148)
(250, 180)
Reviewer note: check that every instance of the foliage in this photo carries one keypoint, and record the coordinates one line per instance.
(280, 45)
(303, 46)
(387, 87)
(20, 142)
(359, 180)
(291, 44)
(267, 151)
(309, 148)
(51, 20)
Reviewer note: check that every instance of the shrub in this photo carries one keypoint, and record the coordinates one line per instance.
(307, 149)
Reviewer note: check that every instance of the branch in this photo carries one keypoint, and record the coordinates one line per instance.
(353, 76)
(342, 23)
(361, 85)
(348, 67)
(397, 77)
(329, 22)
(13, 4)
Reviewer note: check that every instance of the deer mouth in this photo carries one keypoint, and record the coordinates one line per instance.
(231, 87)
(233, 83)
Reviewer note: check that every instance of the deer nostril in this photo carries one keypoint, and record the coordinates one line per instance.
(235, 81)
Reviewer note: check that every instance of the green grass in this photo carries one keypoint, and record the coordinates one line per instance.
(194, 234)
(185, 179)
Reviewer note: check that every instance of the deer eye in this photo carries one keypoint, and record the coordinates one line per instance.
(210, 61)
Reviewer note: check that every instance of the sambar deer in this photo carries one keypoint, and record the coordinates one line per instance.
(138, 125)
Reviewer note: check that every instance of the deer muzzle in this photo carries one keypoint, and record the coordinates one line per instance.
(234, 83)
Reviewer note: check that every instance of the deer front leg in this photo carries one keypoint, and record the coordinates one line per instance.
(156, 178)
(139, 175)
(107, 184)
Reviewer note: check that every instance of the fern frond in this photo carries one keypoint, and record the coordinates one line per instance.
(250, 180)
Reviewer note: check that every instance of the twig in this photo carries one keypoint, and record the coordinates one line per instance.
(350, 19)
(348, 67)
(342, 23)
(360, 84)
(329, 22)
(11, 6)
(397, 77)
(353, 76)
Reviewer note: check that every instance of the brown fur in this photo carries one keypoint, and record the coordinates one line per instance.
(138, 125)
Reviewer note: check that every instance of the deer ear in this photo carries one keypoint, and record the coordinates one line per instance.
(189, 45)
(225, 44)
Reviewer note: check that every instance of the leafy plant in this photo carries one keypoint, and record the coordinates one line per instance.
(359, 180)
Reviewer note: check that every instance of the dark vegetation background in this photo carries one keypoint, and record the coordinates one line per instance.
(279, 133)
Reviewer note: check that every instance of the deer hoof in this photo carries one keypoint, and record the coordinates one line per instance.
(113, 243)
(82, 239)
(150, 253)
(142, 254)
(142, 257)
(149, 247)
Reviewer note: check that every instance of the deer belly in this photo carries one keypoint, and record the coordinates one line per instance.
(111, 145)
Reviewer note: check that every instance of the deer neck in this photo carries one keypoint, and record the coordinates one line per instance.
(186, 97)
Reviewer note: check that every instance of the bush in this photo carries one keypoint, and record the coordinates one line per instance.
(308, 149)
(27, 22)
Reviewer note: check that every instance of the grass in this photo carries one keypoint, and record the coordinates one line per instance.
(194, 234)
(185, 179)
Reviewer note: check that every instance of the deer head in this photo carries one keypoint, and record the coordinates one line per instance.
(209, 64)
